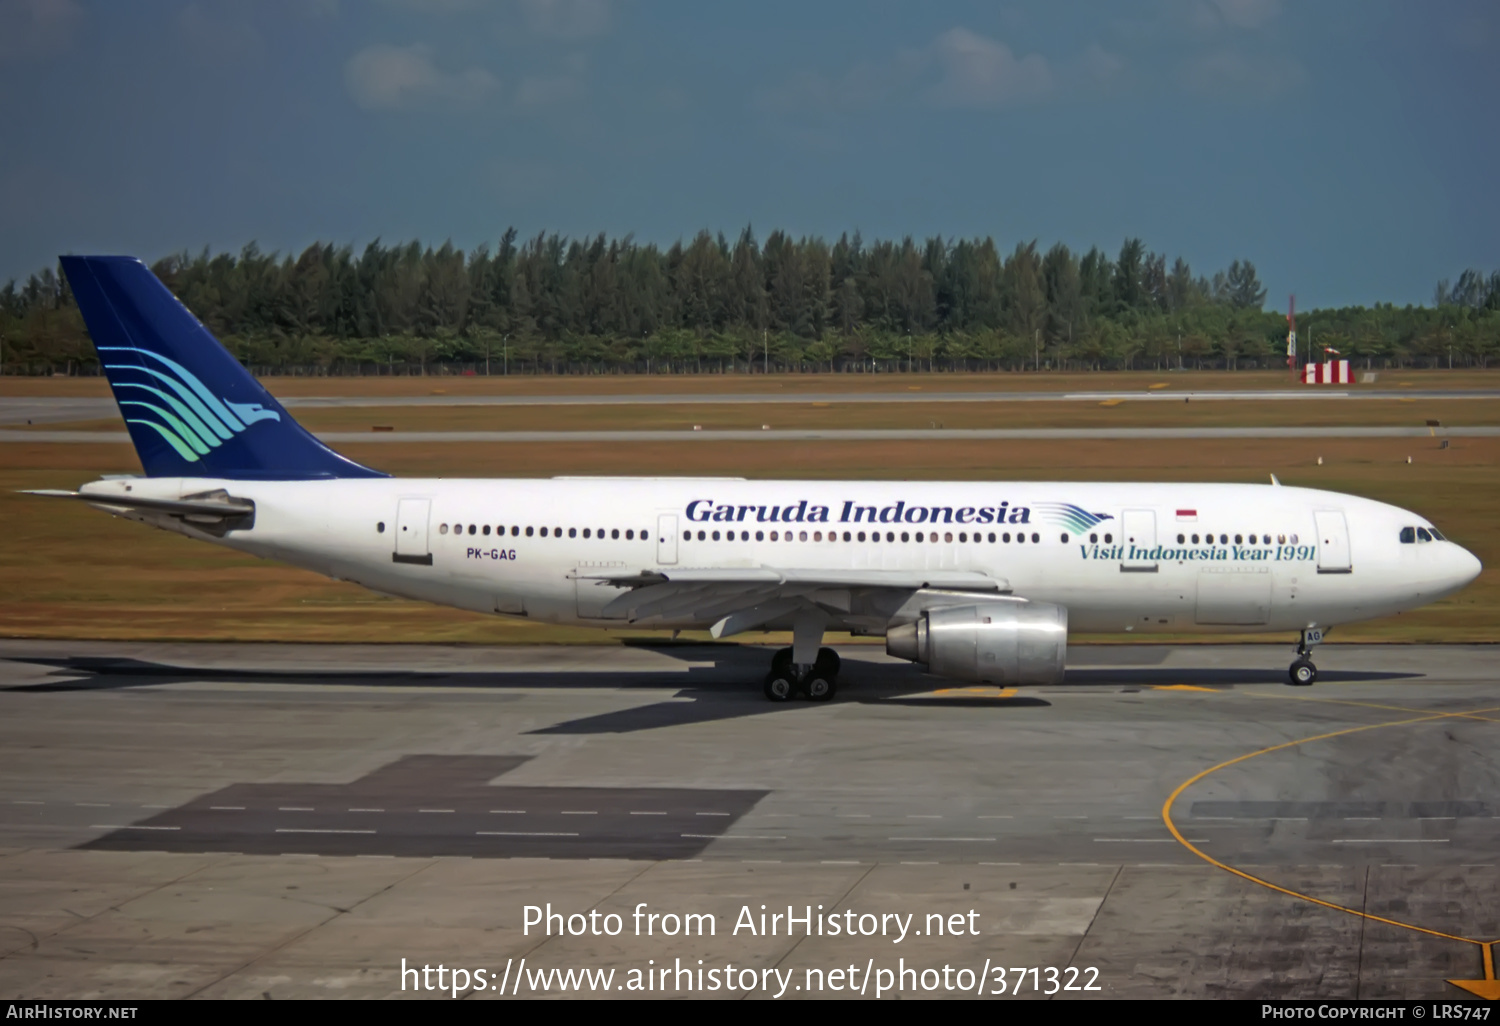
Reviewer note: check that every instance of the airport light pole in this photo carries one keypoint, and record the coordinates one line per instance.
(1037, 347)
(505, 351)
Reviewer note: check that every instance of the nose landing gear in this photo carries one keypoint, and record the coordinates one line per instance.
(817, 681)
(1302, 672)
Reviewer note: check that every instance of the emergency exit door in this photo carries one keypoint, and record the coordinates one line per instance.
(411, 532)
(666, 538)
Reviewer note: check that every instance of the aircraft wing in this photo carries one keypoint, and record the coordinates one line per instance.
(736, 599)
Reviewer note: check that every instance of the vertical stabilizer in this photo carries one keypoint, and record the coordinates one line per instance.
(192, 410)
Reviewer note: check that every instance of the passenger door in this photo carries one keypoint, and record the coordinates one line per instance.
(1333, 542)
(1138, 530)
(411, 532)
(666, 538)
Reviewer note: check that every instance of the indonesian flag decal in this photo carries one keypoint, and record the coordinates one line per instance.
(1187, 514)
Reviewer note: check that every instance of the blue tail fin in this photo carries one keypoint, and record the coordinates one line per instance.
(192, 410)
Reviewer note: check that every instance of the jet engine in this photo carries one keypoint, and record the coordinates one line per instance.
(987, 643)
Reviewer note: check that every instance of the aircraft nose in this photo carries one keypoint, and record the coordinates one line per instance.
(1467, 568)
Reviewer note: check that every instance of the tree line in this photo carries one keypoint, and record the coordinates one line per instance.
(550, 304)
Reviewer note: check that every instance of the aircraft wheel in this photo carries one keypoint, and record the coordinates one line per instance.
(818, 688)
(827, 663)
(780, 687)
(781, 662)
(1302, 673)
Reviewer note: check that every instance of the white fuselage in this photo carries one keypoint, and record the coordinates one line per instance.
(1120, 557)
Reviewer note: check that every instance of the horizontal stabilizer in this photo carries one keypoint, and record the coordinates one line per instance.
(225, 507)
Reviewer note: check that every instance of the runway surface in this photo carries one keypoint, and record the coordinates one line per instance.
(814, 434)
(24, 410)
(239, 820)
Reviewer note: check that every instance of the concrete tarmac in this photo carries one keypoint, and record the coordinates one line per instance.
(293, 820)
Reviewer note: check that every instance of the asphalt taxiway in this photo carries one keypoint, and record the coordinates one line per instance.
(288, 820)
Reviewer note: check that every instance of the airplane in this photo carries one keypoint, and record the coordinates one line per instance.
(978, 581)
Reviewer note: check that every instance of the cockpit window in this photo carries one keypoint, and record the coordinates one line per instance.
(1408, 535)
(1436, 534)
(1423, 534)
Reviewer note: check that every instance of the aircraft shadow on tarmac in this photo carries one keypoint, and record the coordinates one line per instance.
(721, 683)
(442, 805)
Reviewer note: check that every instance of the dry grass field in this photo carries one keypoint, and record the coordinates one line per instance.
(69, 571)
(788, 384)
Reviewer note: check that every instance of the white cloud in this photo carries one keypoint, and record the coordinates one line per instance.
(974, 71)
(959, 68)
(1225, 72)
(384, 77)
(34, 28)
(567, 19)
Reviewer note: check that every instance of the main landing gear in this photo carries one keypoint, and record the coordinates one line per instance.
(817, 681)
(1302, 672)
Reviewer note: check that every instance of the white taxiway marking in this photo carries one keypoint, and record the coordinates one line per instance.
(311, 830)
(1390, 840)
(648, 813)
(434, 810)
(366, 810)
(739, 837)
(227, 808)
(522, 833)
(295, 808)
(130, 826)
(985, 839)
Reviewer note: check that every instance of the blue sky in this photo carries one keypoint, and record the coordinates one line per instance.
(1349, 149)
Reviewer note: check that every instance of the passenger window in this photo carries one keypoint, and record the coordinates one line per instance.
(802, 536)
(890, 536)
(1294, 539)
(615, 532)
(1108, 539)
(486, 529)
(861, 536)
(1422, 535)
(528, 532)
(1035, 538)
(543, 532)
(918, 536)
(572, 532)
(962, 536)
(1021, 538)
(1005, 537)
(1281, 539)
(1181, 539)
(380, 527)
(948, 537)
(629, 534)
(471, 529)
(1239, 539)
(817, 536)
(715, 536)
(1195, 539)
(1065, 538)
(773, 536)
(1093, 539)
(687, 535)
(442, 528)
(702, 536)
(847, 536)
(760, 536)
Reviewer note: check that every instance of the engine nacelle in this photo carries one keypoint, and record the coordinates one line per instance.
(987, 643)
